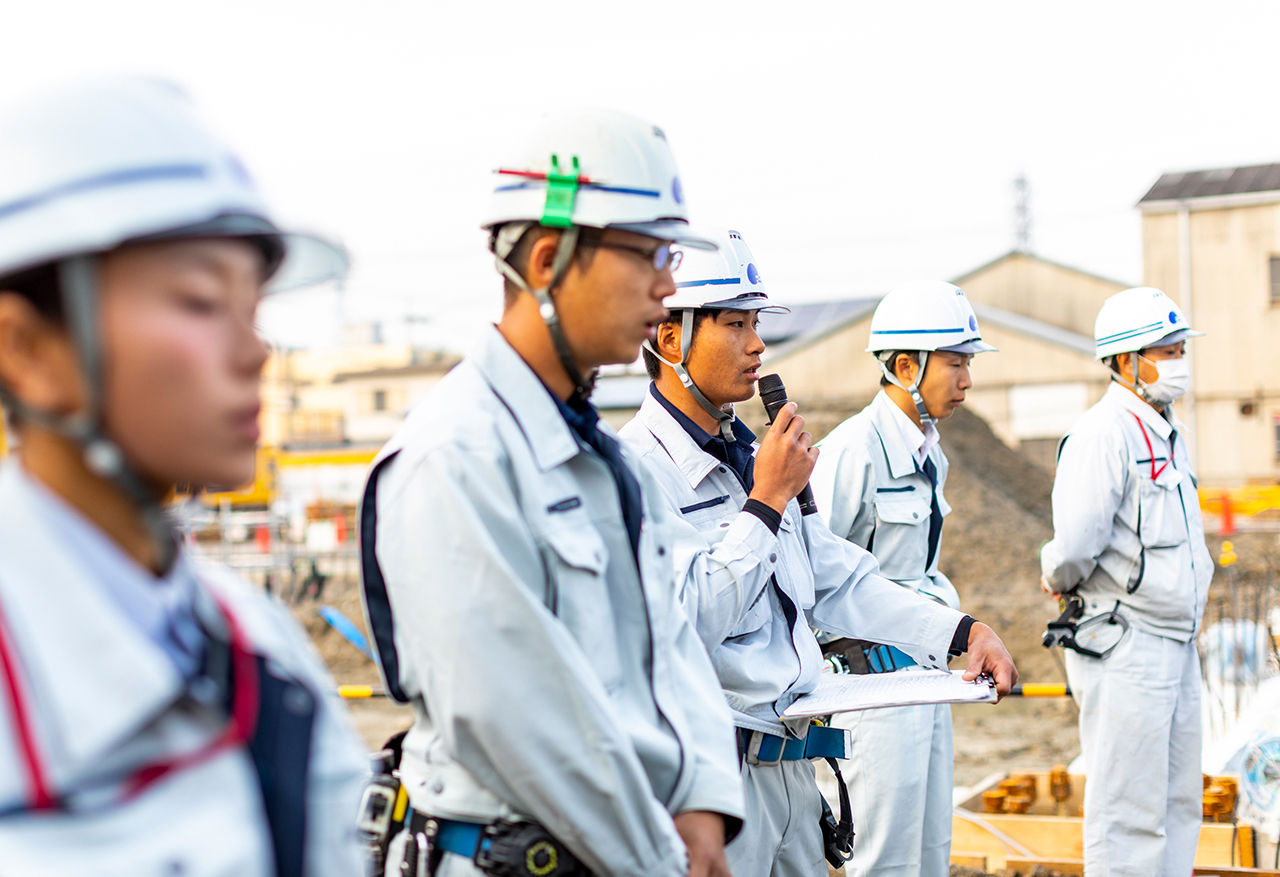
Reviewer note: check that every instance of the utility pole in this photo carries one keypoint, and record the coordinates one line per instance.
(1021, 215)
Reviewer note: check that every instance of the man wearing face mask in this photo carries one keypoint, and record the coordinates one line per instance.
(1129, 542)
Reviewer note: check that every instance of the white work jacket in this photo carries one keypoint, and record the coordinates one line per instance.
(1120, 534)
(551, 678)
(872, 492)
(835, 585)
(102, 701)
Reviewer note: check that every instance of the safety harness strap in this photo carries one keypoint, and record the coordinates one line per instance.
(376, 602)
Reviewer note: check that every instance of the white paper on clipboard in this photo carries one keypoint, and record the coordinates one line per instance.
(845, 693)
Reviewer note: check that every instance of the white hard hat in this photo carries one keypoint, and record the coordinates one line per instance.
(113, 161)
(725, 278)
(1136, 319)
(926, 315)
(595, 168)
(91, 166)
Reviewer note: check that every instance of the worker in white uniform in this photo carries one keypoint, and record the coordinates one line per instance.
(516, 563)
(158, 715)
(792, 573)
(1129, 544)
(881, 480)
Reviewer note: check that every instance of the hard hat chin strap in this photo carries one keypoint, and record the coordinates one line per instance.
(723, 417)
(1136, 383)
(914, 390)
(505, 241)
(78, 282)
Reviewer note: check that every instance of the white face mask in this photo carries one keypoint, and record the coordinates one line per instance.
(1173, 382)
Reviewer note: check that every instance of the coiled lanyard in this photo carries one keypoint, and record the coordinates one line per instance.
(1155, 473)
(239, 728)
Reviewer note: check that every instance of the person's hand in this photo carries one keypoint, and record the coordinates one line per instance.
(987, 654)
(1047, 588)
(703, 834)
(785, 460)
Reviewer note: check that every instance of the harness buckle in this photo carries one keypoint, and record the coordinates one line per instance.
(765, 749)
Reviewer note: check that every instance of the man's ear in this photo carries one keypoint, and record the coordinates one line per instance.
(37, 362)
(542, 256)
(904, 367)
(669, 340)
(1124, 363)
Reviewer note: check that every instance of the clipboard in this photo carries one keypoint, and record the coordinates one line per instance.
(846, 693)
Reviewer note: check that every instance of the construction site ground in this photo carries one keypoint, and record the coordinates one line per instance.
(1001, 516)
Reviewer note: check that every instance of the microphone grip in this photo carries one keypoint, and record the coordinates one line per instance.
(774, 395)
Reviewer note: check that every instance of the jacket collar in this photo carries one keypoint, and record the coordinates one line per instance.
(693, 462)
(1150, 417)
(527, 398)
(96, 678)
(885, 414)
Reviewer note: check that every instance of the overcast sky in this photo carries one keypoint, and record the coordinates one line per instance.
(855, 145)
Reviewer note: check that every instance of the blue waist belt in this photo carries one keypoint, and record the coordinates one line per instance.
(760, 747)
(462, 838)
(886, 659)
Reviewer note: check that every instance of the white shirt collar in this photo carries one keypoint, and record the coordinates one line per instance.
(918, 441)
(162, 608)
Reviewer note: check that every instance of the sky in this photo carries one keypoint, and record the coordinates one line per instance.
(855, 145)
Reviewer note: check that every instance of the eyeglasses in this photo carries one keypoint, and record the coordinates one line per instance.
(659, 255)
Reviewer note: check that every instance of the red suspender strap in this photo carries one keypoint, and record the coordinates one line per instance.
(244, 718)
(1155, 473)
(41, 794)
(244, 711)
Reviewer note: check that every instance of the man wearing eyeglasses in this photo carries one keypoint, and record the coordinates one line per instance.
(1129, 556)
(516, 570)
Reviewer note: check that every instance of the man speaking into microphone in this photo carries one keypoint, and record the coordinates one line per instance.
(786, 572)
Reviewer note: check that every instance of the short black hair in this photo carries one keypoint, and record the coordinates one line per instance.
(651, 364)
(518, 258)
(41, 287)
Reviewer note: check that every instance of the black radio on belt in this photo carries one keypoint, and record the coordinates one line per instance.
(525, 849)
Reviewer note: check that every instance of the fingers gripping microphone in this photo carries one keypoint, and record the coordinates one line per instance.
(774, 395)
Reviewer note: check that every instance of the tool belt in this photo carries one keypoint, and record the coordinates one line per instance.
(822, 741)
(501, 849)
(861, 657)
(1096, 638)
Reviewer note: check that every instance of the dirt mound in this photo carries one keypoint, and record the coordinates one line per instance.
(1001, 515)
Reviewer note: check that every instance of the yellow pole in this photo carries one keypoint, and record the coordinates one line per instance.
(1041, 689)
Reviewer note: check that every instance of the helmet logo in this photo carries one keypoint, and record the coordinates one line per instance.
(677, 191)
(1173, 316)
(753, 273)
(973, 324)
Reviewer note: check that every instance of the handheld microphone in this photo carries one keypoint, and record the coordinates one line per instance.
(774, 395)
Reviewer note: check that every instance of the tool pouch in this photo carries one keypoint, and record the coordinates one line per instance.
(525, 849)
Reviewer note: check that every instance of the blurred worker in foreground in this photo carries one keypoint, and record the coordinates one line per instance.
(515, 561)
(880, 480)
(157, 715)
(1129, 547)
(787, 571)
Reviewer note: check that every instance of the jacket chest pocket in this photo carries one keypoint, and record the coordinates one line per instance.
(576, 560)
(1160, 519)
(711, 516)
(901, 539)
